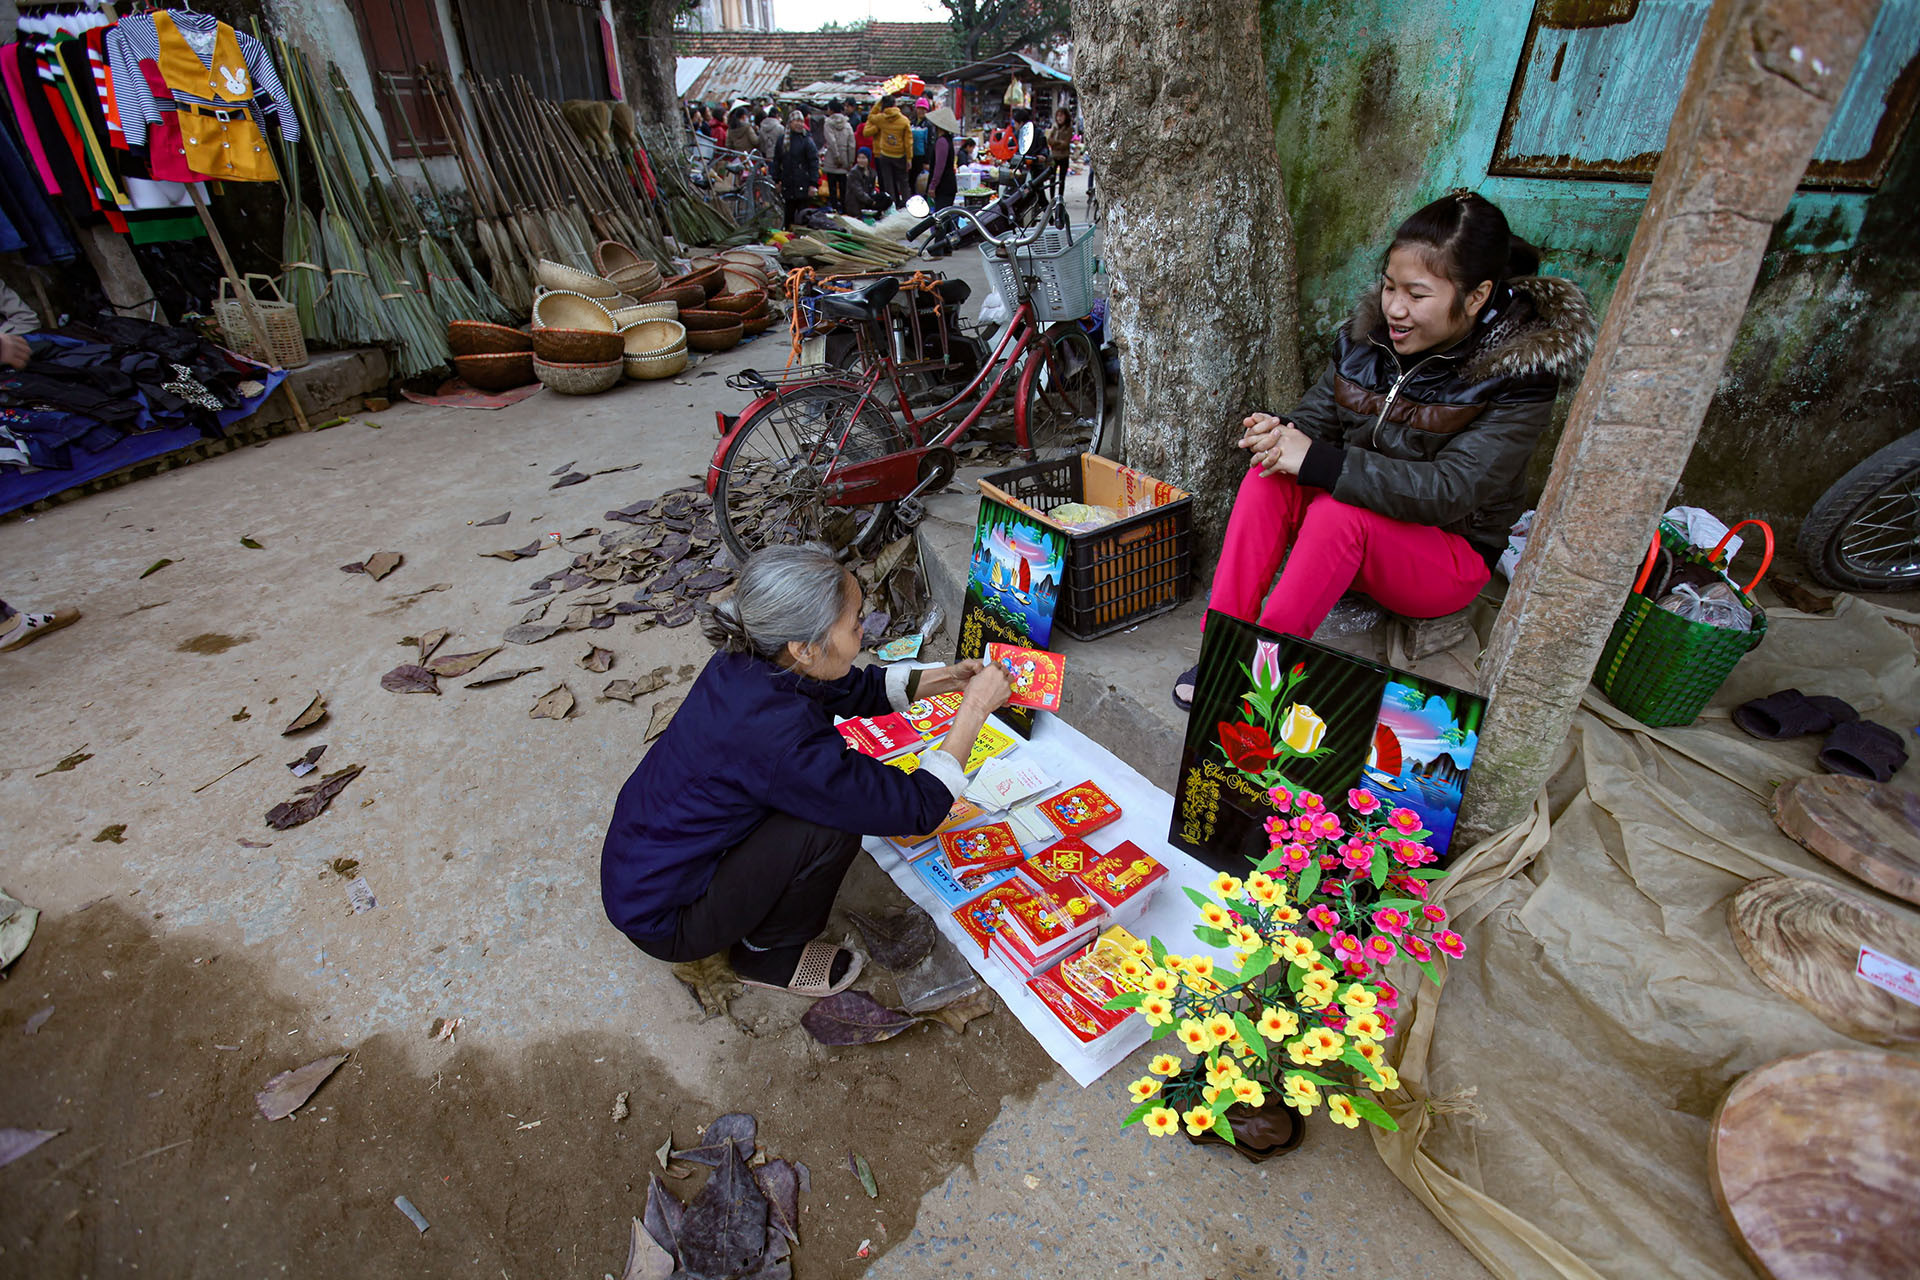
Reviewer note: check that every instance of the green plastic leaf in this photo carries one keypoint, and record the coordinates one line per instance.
(1196, 897)
(1126, 1000)
(1139, 1113)
(1268, 863)
(1426, 873)
(1398, 904)
(1352, 1058)
(1381, 864)
(1320, 1080)
(1164, 1029)
(1212, 937)
(1429, 968)
(1251, 1034)
(1221, 1127)
(1309, 881)
(1257, 964)
(1159, 949)
(1373, 1112)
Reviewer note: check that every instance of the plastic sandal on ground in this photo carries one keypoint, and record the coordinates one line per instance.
(1188, 679)
(25, 628)
(813, 976)
(1791, 714)
(1863, 749)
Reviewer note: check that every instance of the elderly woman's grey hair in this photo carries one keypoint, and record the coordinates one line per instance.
(785, 595)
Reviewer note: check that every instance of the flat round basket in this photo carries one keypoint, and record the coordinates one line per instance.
(690, 295)
(562, 309)
(627, 316)
(743, 279)
(709, 280)
(751, 325)
(496, 371)
(478, 338)
(639, 283)
(558, 275)
(612, 257)
(751, 259)
(579, 379)
(715, 339)
(696, 320)
(576, 346)
(739, 303)
(647, 368)
(654, 338)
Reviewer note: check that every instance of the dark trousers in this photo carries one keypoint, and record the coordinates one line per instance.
(1057, 182)
(773, 889)
(893, 178)
(837, 190)
(794, 205)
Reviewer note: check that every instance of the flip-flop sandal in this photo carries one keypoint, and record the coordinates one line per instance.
(813, 976)
(1863, 749)
(32, 626)
(1792, 714)
(1190, 679)
(1263, 1136)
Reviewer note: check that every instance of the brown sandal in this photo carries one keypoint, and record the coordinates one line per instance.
(812, 977)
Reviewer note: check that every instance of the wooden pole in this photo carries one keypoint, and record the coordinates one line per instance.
(255, 320)
(1763, 86)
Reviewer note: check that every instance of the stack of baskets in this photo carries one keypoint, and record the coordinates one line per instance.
(655, 348)
(491, 357)
(577, 349)
(636, 276)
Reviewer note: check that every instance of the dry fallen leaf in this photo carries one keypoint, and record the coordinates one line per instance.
(316, 712)
(407, 678)
(500, 677)
(432, 641)
(957, 1015)
(555, 704)
(287, 1092)
(529, 632)
(662, 717)
(596, 659)
(381, 563)
(459, 664)
(499, 519)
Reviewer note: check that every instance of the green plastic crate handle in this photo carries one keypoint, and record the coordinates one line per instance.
(1766, 558)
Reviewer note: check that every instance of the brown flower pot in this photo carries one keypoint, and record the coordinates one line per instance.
(1272, 1130)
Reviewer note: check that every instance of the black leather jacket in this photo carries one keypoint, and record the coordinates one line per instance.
(1443, 438)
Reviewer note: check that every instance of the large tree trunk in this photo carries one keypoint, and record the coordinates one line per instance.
(1198, 241)
(1763, 85)
(643, 29)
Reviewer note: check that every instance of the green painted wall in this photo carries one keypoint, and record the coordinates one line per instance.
(1380, 107)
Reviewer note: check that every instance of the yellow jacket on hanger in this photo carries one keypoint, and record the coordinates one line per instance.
(215, 100)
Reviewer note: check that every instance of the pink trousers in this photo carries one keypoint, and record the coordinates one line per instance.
(1413, 570)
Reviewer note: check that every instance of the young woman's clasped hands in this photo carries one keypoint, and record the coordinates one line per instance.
(1276, 445)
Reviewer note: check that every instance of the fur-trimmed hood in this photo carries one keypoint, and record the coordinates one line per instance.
(1547, 327)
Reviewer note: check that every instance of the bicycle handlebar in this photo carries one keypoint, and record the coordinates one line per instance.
(955, 211)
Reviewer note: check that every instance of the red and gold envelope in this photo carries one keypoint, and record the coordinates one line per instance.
(1122, 874)
(930, 717)
(986, 848)
(1087, 1022)
(988, 914)
(1080, 809)
(1037, 675)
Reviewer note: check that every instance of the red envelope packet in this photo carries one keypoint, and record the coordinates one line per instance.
(1080, 809)
(988, 914)
(880, 736)
(1078, 1015)
(1038, 676)
(1123, 874)
(987, 848)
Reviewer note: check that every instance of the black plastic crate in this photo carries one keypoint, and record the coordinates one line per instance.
(1134, 568)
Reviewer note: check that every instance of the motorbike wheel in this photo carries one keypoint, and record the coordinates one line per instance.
(770, 485)
(1864, 533)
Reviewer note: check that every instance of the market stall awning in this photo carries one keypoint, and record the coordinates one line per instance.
(1003, 66)
(735, 76)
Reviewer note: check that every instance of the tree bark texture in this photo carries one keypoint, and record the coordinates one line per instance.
(1763, 85)
(643, 29)
(1198, 243)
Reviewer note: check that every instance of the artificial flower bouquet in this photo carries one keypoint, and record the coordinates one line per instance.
(1337, 898)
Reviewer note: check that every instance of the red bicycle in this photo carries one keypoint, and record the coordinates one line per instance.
(843, 456)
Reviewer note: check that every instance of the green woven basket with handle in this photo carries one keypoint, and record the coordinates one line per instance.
(1661, 668)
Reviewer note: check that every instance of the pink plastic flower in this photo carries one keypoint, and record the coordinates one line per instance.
(1309, 802)
(1334, 1018)
(1362, 801)
(1434, 915)
(1276, 828)
(1356, 855)
(1380, 949)
(1450, 943)
(1327, 826)
(1417, 949)
(1412, 854)
(1386, 1025)
(1405, 820)
(1323, 917)
(1345, 946)
(1303, 827)
(1357, 968)
(1387, 994)
(1391, 920)
(1281, 797)
(1409, 885)
(1329, 861)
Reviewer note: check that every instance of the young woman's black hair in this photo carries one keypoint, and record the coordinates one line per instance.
(1465, 237)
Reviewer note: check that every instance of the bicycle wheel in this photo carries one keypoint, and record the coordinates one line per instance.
(1864, 533)
(770, 485)
(1063, 395)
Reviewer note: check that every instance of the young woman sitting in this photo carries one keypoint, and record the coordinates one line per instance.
(737, 827)
(1400, 472)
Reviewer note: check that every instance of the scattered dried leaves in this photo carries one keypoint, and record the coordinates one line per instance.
(854, 1017)
(408, 678)
(596, 659)
(316, 712)
(459, 664)
(311, 801)
(662, 717)
(501, 677)
(555, 704)
(287, 1092)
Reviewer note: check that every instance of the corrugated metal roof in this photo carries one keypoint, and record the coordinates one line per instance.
(735, 76)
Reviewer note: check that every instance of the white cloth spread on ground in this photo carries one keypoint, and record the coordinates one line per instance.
(1145, 814)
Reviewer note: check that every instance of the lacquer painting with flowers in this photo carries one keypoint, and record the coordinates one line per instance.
(1276, 716)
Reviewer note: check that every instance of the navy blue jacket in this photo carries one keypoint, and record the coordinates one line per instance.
(751, 739)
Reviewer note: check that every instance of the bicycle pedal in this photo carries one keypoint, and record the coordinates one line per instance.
(909, 512)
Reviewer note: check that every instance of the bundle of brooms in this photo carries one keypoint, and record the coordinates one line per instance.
(852, 244)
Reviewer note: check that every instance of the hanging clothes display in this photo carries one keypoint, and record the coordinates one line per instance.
(219, 84)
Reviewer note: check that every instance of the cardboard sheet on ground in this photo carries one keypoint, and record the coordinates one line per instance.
(1071, 757)
(1602, 1011)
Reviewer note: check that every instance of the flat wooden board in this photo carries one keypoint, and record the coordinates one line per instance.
(1803, 939)
(1815, 1162)
(1867, 829)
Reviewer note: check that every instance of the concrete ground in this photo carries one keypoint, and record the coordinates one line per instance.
(194, 952)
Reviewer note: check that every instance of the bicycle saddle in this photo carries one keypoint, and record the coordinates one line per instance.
(954, 292)
(862, 304)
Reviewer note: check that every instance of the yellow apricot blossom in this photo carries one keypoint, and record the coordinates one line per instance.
(1277, 1024)
(1164, 1064)
(1193, 1034)
(1302, 1094)
(1162, 1121)
(1143, 1088)
(1226, 886)
(1366, 1026)
(1341, 1111)
(1157, 1010)
(1199, 1120)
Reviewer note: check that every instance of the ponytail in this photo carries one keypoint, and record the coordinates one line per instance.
(1465, 237)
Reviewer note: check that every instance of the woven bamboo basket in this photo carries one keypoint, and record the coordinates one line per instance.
(496, 370)
(647, 368)
(739, 303)
(743, 279)
(579, 379)
(560, 276)
(478, 338)
(715, 339)
(751, 325)
(698, 320)
(561, 309)
(709, 280)
(691, 295)
(285, 346)
(654, 338)
(576, 346)
(613, 257)
(627, 316)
